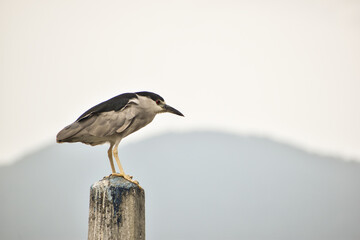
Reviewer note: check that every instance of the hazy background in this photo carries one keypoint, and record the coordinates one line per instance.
(198, 186)
(284, 69)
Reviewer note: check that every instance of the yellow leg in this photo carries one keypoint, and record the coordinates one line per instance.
(116, 155)
(122, 173)
(111, 159)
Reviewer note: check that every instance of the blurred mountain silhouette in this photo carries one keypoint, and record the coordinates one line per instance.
(199, 185)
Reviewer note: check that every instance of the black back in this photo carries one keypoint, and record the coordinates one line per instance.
(113, 104)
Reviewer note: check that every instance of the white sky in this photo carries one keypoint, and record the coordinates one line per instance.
(284, 69)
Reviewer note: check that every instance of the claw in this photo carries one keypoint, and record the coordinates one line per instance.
(127, 177)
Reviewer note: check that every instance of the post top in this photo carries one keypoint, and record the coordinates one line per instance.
(114, 181)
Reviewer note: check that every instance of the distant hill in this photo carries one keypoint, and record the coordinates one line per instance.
(201, 185)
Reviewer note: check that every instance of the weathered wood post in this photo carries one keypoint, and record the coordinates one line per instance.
(117, 210)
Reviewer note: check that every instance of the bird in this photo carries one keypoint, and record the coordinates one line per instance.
(112, 120)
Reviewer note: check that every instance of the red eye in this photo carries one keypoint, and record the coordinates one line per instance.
(158, 102)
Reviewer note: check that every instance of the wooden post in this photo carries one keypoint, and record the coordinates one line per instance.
(117, 210)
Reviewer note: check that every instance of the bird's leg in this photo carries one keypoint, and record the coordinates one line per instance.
(116, 155)
(111, 159)
(122, 173)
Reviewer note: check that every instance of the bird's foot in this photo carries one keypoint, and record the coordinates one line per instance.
(127, 177)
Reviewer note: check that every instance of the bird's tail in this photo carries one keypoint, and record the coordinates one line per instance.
(68, 133)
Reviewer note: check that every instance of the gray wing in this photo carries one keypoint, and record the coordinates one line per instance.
(100, 126)
(109, 123)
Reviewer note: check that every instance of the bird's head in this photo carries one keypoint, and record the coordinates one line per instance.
(158, 103)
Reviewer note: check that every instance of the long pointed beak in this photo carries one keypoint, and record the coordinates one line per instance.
(172, 110)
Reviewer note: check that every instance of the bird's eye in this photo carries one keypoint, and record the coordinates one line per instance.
(157, 102)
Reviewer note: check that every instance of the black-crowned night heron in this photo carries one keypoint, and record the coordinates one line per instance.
(114, 119)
